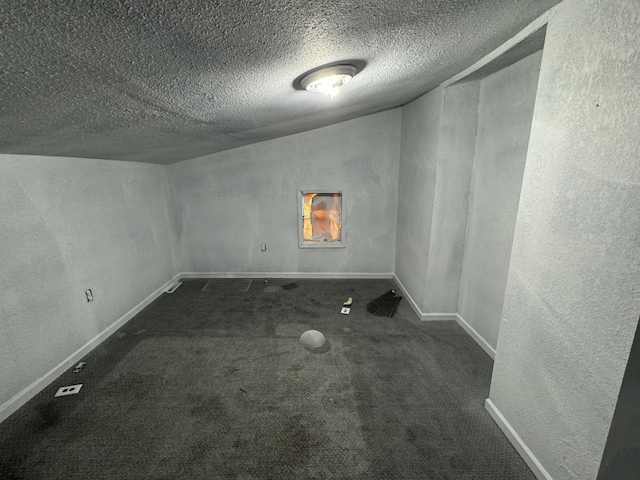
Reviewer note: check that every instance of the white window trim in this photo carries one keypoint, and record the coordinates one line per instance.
(311, 244)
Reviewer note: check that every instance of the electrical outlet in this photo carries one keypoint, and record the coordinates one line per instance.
(263, 247)
(89, 295)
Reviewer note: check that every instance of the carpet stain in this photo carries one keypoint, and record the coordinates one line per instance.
(47, 417)
(282, 450)
(230, 370)
(210, 409)
(240, 444)
(7, 472)
(199, 450)
(296, 367)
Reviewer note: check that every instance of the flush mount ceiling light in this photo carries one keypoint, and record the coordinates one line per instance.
(328, 80)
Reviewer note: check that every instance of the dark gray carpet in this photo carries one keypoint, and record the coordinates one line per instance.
(214, 384)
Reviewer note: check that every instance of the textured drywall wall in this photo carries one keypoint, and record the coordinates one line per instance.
(504, 122)
(165, 81)
(67, 225)
(572, 298)
(416, 189)
(229, 203)
(456, 148)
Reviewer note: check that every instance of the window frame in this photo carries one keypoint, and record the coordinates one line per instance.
(302, 243)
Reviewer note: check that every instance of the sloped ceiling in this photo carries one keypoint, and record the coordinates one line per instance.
(167, 80)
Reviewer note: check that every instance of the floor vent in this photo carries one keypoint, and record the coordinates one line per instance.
(69, 390)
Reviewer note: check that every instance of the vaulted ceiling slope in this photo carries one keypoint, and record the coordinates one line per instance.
(167, 80)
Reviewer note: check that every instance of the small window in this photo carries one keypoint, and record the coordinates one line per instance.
(320, 224)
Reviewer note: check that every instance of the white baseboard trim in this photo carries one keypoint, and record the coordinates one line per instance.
(319, 275)
(526, 454)
(438, 317)
(476, 336)
(425, 317)
(12, 405)
(409, 298)
(172, 288)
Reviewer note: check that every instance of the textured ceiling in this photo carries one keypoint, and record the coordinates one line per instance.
(167, 80)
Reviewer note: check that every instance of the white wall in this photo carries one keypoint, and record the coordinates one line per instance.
(416, 189)
(504, 112)
(227, 204)
(572, 296)
(453, 179)
(462, 156)
(66, 225)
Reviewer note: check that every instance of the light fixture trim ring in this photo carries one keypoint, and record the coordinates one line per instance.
(314, 78)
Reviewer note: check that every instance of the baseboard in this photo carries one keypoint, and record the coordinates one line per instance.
(437, 317)
(172, 288)
(526, 454)
(12, 405)
(476, 336)
(425, 317)
(319, 275)
(408, 297)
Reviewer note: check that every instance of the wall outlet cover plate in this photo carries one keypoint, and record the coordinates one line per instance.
(70, 390)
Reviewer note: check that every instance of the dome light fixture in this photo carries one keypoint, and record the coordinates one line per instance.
(328, 80)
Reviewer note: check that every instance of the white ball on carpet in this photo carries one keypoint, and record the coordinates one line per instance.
(312, 339)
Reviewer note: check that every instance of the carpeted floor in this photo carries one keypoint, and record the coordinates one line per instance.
(214, 384)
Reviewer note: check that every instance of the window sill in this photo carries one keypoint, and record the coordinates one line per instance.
(321, 245)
